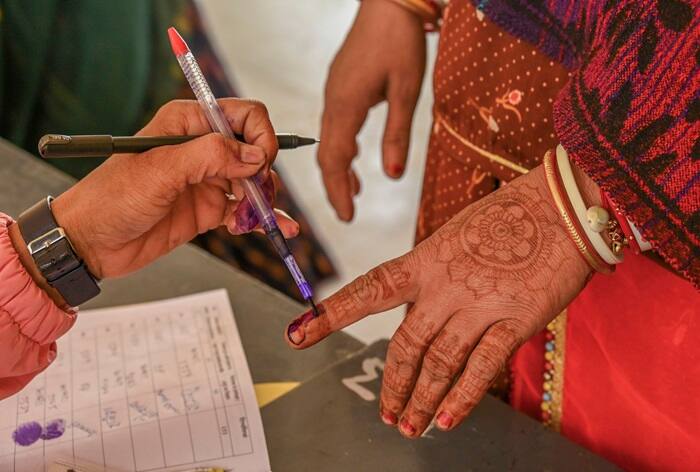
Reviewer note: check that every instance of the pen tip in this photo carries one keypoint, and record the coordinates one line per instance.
(314, 308)
(304, 141)
(178, 45)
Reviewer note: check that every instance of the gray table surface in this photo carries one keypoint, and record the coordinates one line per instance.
(325, 425)
(261, 312)
(320, 425)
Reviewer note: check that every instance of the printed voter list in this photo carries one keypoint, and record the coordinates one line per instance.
(149, 387)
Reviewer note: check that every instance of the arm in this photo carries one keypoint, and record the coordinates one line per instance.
(30, 317)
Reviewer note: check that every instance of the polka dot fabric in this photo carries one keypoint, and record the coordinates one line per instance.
(492, 113)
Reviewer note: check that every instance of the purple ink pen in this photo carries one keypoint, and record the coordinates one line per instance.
(218, 122)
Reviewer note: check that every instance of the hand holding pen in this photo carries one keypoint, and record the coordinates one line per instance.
(133, 209)
(255, 195)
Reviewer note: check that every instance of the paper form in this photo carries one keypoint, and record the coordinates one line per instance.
(150, 387)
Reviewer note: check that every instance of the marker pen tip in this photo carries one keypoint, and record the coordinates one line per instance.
(178, 45)
(314, 308)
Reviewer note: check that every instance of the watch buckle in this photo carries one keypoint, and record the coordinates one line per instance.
(46, 240)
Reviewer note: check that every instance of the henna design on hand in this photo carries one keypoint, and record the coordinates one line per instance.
(373, 288)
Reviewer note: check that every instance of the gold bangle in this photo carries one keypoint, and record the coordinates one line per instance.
(421, 9)
(574, 232)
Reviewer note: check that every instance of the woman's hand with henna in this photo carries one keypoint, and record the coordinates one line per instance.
(489, 279)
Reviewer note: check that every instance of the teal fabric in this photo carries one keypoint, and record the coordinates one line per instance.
(83, 67)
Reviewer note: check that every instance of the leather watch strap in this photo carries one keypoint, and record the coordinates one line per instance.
(37, 220)
(55, 256)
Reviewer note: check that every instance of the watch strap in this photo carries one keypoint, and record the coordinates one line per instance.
(37, 220)
(57, 262)
(77, 286)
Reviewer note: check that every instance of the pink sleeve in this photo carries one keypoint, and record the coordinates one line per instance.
(30, 322)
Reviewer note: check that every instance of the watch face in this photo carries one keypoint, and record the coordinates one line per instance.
(56, 259)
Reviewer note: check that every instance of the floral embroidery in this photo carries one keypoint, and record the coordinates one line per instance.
(509, 101)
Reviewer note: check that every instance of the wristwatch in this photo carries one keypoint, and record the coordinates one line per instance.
(55, 256)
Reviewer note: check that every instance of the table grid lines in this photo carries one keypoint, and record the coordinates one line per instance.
(211, 387)
(153, 385)
(149, 369)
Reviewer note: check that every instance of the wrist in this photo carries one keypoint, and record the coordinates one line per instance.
(419, 10)
(25, 258)
(70, 222)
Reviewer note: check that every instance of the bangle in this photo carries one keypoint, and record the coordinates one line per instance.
(628, 239)
(429, 10)
(572, 224)
(567, 177)
(634, 238)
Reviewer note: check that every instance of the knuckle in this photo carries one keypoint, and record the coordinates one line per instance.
(402, 346)
(258, 106)
(439, 365)
(217, 145)
(507, 335)
(395, 137)
(486, 364)
(173, 106)
(395, 383)
(466, 394)
(425, 398)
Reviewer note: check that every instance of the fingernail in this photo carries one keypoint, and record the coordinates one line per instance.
(396, 169)
(389, 418)
(51, 356)
(252, 155)
(444, 420)
(296, 332)
(407, 427)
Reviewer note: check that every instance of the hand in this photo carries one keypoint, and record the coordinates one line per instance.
(383, 58)
(484, 283)
(135, 208)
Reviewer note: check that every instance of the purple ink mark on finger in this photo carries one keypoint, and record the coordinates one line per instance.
(27, 433)
(53, 429)
(246, 218)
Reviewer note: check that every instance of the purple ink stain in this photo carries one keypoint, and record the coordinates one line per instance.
(53, 429)
(303, 320)
(246, 217)
(27, 433)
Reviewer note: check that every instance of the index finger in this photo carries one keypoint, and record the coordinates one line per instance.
(386, 286)
(340, 124)
(246, 117)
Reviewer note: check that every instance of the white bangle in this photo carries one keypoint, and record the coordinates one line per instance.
(567, 177)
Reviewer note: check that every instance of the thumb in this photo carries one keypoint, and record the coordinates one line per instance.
(397, 132)
(382, 288)
(212, 155)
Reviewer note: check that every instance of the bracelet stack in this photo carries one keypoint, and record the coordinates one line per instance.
(584, 225)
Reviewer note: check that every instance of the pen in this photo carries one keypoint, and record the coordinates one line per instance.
(219, 123)
(104, 145)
